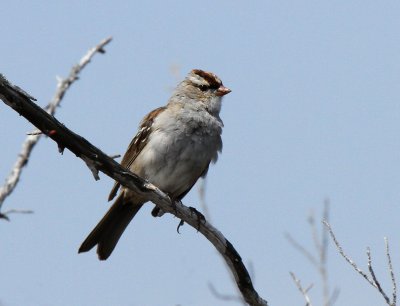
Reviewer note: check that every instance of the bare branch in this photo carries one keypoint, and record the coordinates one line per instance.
(92, 166)
(323, 251)
(34, 133)
(324, 239)
(4, 215)
(207, 215)
(394, 284)
(347, 258)
(33, 137)
(319, 261)
(64, 84)
(334, 296)
(231, 297)
(85, 150)
(303, 291)
(374, 278)
(373, 281)
(301, 249)
(115, 156)
(225, 297)
(314, 233)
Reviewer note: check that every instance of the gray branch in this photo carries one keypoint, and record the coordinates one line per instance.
(303, 291)
(319, 261)
(373, 280)
(65, 138)
(390, 267)
(32, 139)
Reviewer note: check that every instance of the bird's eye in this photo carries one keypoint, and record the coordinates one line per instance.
(203, 87)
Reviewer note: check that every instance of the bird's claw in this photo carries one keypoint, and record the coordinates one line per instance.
(179, 226)
(200, 217)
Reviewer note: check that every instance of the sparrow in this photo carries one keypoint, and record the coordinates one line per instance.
(172, 149)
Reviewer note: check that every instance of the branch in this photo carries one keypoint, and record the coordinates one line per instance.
(373, 280)
(213, 289)
(27, 146)
(4, 215)
(390, 266)
(319, 261)
(225, 297)
(21, 102)
(303, 291)
(302, 250)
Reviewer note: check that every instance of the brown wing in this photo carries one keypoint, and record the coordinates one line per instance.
(137, 144)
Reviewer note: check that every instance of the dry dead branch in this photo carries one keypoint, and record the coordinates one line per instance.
(319, 261)
(372, 279)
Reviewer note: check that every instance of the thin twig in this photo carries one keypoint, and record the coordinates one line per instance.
(5, 214)
(302, 249)
(115, 156)
(319, 260)
(373, 281)
(323, 255)
(206, 213)
(303, 291)
(34, 133)
(334, 296)
(394, 284)
(225, 297)
(33, 137)
(324, 239)
(347, 258)
(377, 284)
(314, 232)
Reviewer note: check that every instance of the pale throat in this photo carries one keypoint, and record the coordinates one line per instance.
(214, 105)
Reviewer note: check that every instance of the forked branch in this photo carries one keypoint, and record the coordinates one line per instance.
(372, 279)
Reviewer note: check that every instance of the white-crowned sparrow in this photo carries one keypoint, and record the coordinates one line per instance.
(172, 149)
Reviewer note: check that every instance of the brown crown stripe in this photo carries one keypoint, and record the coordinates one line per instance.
(211, 78)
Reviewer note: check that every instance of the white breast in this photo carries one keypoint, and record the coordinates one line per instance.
(179, 149)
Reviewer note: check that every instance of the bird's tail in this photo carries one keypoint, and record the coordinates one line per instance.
(108, 231)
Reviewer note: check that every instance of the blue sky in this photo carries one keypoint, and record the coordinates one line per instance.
(314, 113)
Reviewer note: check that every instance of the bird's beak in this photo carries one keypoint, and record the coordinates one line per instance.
(222, 91)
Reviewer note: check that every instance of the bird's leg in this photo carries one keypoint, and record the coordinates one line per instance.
(175, 203)
(199, 215)
(158, 212)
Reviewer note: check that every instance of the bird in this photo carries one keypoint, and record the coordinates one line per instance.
(172, 149)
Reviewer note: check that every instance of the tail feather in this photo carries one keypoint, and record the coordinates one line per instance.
(108, 231)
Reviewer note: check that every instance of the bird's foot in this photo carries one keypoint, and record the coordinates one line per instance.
(200, 219)
(199, 215)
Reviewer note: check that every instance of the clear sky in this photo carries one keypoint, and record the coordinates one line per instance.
(314, 113)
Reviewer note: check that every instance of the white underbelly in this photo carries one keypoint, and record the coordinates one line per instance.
(174, 163)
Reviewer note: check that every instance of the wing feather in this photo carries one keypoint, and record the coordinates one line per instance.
(137, 144)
